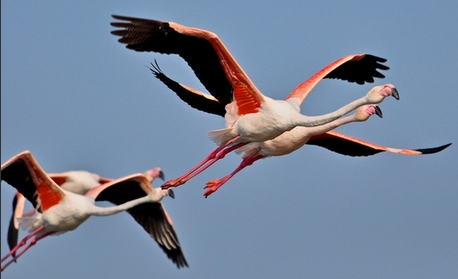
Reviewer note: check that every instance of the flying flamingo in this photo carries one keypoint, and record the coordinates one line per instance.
(250, 115)
(79, 182)
(62, 211)
(297, 137)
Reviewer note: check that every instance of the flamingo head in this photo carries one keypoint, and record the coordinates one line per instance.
(378, 93)
(154, 173)
(158, 194)
(364, 112)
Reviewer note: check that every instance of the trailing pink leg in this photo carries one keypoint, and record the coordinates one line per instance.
(23, 242)
(214, 184)
(214, 156)
(32, 242)
(179, 180)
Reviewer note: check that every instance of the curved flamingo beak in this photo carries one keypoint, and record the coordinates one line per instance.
(171, 194)
(378, 111)
(161, 175)
(395, 93)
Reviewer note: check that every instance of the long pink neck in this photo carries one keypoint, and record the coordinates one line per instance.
(106, 211)
(317, 130)
(312, 121)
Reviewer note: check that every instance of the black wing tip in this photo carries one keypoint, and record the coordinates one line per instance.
(126, 18)
(121, 18)
(433, 150)
(181, 262)
(175, 255)
(376, 58)
(116, 16)
(125, 21)
(13, 232)
(156, 70)
(116, 32)
(360, 71)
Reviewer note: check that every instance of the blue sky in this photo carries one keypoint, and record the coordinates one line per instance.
(78, 99)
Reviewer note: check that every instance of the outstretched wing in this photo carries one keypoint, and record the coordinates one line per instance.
(13, 227)
(199, 48)
(151, 216)
(25, 174)
(204, 52)
(192, 97)
(351, 146)
(359, 68)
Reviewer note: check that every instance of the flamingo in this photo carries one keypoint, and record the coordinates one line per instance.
(250, 115)
(297, 137)
(288, 142)
(61, 210)
(80, 182)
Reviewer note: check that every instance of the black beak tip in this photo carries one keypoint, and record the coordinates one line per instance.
(171, 194)
(395, 93)
(161, 175)
(378, 111)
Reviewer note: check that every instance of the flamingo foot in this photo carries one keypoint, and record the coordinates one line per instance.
(173, 183)
(212, 186)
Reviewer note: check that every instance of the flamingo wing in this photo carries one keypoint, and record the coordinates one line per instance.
(13, 227)
(192, 97)
(58, 178)
(25, 174)
(156, 222)
(204, 52)
(359, 68)
(151, 216)
(351, 146)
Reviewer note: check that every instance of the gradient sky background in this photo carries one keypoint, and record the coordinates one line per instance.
(78, 99)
